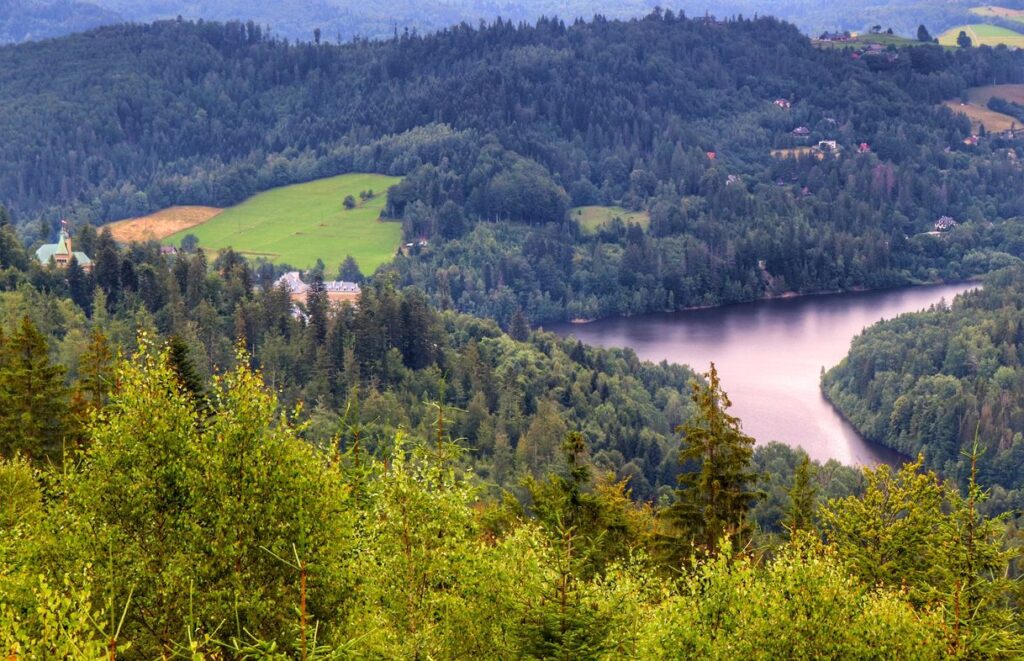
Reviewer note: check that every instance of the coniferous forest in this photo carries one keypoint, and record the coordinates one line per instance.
(935, 381)
(193, 464)
(500, 129)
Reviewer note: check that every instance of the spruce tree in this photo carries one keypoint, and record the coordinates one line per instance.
(79, 286)
(349, 270)
(715, 485)
(33, 397)
(800, 513)
(95, 373)
(316, 307)
(519, 328)
(181, 362)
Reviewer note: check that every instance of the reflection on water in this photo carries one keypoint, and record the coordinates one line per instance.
(770, 355)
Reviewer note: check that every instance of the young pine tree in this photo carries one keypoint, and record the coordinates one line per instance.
(715, 486)
(800, 513)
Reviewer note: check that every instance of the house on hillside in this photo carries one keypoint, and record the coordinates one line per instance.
(836, 36)
(62, 251)
(338, 291)
(945, 224)
(801, 132)
(864, 148)
(785, 104)
(972, 141)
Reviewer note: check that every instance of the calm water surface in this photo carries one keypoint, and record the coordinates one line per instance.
(769, 355)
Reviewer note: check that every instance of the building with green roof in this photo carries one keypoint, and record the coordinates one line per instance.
(61, 252)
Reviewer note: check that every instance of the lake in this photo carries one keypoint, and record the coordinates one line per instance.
(769, 355)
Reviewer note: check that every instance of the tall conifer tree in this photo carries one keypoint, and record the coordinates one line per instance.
(715, 487)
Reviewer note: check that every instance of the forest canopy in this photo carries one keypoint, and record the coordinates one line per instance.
(932, 382)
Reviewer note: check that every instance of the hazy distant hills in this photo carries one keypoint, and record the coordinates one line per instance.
(22, 20)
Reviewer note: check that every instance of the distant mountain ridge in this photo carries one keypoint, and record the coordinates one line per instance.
(342, 20)
(29, 20)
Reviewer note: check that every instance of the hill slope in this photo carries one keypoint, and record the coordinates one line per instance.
(300, 223)
(500, 130)
(926, 382)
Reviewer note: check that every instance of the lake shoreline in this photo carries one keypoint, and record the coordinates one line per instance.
(778, 297)
(770, 354)
(897, 458)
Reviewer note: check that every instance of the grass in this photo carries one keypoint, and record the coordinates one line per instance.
(982, 34)
(977, 111)
(981, 95)
(864, 39)
(299, 224)
(796, 152)
(993, 121)
(593, 218)
(161, 224)
(999, 12)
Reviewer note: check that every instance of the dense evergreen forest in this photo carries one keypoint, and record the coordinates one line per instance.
(189, 468)
(500, 129)
(930, 382)
(192, 518)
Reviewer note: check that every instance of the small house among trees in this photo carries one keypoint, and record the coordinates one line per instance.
(836, 36)
(785, 104)
(801, 132)
(945, 224)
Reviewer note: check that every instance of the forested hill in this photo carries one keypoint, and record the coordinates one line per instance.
(928, 382)
(192, 112)
(501, 129)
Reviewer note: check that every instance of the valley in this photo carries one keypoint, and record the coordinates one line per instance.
(670, 336)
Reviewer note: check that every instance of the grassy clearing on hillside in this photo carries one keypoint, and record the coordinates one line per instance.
(593, 217)
(981, 95)
(982, 34)
(300, 223)
(161, 224)
(977, 108)
(862, 40)
(979, 114)
(1000, 12)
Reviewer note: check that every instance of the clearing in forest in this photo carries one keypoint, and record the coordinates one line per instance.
(977, 107)
(981, 95)
(982, 34)
(592, 218)
(999, 12)
(300, 223)
(993, 121)
(797, 152)
(161, 224)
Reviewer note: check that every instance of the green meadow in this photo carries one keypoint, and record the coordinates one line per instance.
(591, 218)
(982, 34)
(300, 223)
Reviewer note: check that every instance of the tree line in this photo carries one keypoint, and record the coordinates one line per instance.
(933, 382)
(197, 521)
